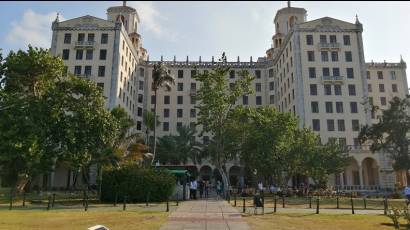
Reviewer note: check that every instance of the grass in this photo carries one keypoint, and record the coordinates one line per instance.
(322, 221)
(65, 220)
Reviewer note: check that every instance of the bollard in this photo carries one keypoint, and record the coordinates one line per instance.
(275, 200)
(352, 203)
(167, 205)
(310, 201)
(317, 205)
(116, 199)
(24, 198)
(234, 204)
(124, 204)
(364, 202)
(54, 200)
(385, 205)
(146, 202)
(48, 202)
(243, 206)
(337, 202)
(283, 201)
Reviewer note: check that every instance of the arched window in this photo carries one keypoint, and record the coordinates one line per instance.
(292, 21)
(121, 17)
(277, 27)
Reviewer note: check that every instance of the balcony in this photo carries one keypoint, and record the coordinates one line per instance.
(329, 46)
(333, 79)
(84, 44)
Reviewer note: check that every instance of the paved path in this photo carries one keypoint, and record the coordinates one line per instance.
(205, 214)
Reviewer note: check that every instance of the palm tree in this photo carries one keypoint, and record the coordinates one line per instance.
(148, 119)
(160, 78)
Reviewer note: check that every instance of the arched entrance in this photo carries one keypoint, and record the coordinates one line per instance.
(205, 173)
(351, 175)
(370, 171)
(234, 174)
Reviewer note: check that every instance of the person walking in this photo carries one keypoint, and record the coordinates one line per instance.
(218, 188)
(407, 194)
(206, 188)
(201, 188)
(194, 188)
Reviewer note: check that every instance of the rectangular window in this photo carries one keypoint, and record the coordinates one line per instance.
(355, 125)
(193, 73)
(329, 107)
(179, 112)
(180, 100)
(104, 38)
(180, 86)
(193, 100)
(312, 72)
(392, 75)
(394, 88)
(81, 37)
(77, 70)
(166, 112)
(205, 140)
(258, 74)
(330, 125)
(346, 40)
(271, 85)
(335, 56)
(326, 72)
(258, 100)
(67, 38)
(139, 111)
(103, 54)
(66, 54)
(353, 107)
(180, 73)
(338, 90)
(140, 98)
(313, 89)
(328, 89)
(311, 55)
(324, 55)
(179, 125)
(232, 74)
(348, 56)
(271, 99)
(245, 99)
(381, 88)
(90, 37)
(258, 87)
(380, 74)
(167, 100)
(349, 73)
(270, 72)
(316, 124)
(165, 126)
(79, 55)
(101, 71)
(309, 39)
(336, 72)
(193, 113)
(339, 107)
(369, 88)
(332, 39)
(341, 125)
(141, 85)
(87, 70)
(153, 99)
(315, 106)
(323, 39)
(89, 54)
(368, 74)
(352, 90)
(383, 101)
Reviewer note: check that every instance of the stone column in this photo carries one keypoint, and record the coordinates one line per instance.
(361, 179)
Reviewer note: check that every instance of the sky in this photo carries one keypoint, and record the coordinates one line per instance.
(207, 29)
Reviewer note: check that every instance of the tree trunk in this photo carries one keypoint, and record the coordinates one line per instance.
(100, 171)
(225, 180)
(68, 179)
(155, 127)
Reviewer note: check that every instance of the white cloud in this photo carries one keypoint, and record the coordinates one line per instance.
(33, 28)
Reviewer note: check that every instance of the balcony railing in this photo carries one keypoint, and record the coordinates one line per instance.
(82, 44)
(333, 45)
(333, 79)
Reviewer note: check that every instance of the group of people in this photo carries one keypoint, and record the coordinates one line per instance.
(202, 186)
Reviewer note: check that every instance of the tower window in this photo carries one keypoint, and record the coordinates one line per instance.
(104, 38)
(67, 38)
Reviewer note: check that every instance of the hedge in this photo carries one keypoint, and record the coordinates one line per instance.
(136, 183)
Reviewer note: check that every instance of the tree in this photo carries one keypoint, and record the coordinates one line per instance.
(390, 134)
(160, 79)
(216, 101)
(149, 121)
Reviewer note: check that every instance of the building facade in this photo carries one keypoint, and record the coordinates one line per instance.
(314, 69)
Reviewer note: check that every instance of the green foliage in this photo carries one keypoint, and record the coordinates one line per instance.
(394, 214)
(135, 182)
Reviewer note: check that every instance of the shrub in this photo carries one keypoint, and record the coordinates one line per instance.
(394, 214)
(136, 183)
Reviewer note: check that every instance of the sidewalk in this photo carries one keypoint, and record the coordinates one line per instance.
(205, 214)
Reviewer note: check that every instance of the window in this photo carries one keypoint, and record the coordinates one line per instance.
(139, 111)
(379, 75)
(66, 54)
(90, 37)
(352, 90)
(342, 141)
(329, 107)
(332, 39)
(353, 107)
(330, 125)
(368, 74)
(258, 74)
(166, 100)
(338, 90)
(355, 125)
(323, 39)
(311, 55)
(369, 88)
(179, 125)
(271, 85)
(193, 86)
(383, 101)
(312, 72)
(140, 98)
(392, 75)
(104, 38)
(324, 55)
(89, 54)
(335, 56)
(180, 86)
(326, 72)
(77, 70)
(315, 106)
(67, 38)
(346, 40)
(339, 107)
(271, 99)
(394, 88)
(179, 112)
(258, 87)
(316, 124)
(205, 140)
(79, 55)
(245, 99)
(193, 113)
(180, 100)
(371, 101)
(270, 72)
(180, 73)
(87, 70)
(313, 89)
(336, 72)
(232, 74)
(103, 54)
(309, 39)
(348, 56)
(165, 126)
(193, 73)
(193, 100)
(328, 89)
(166, 112)
(258, 100)
(141, 72)
(81, 37)
(381, 88)
(153, 99)
(101, 71)
(341, 125)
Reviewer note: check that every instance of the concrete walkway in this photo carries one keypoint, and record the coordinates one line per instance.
(205, 214)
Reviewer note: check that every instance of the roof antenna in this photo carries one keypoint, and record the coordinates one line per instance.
(124, 3)
(288, 4)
